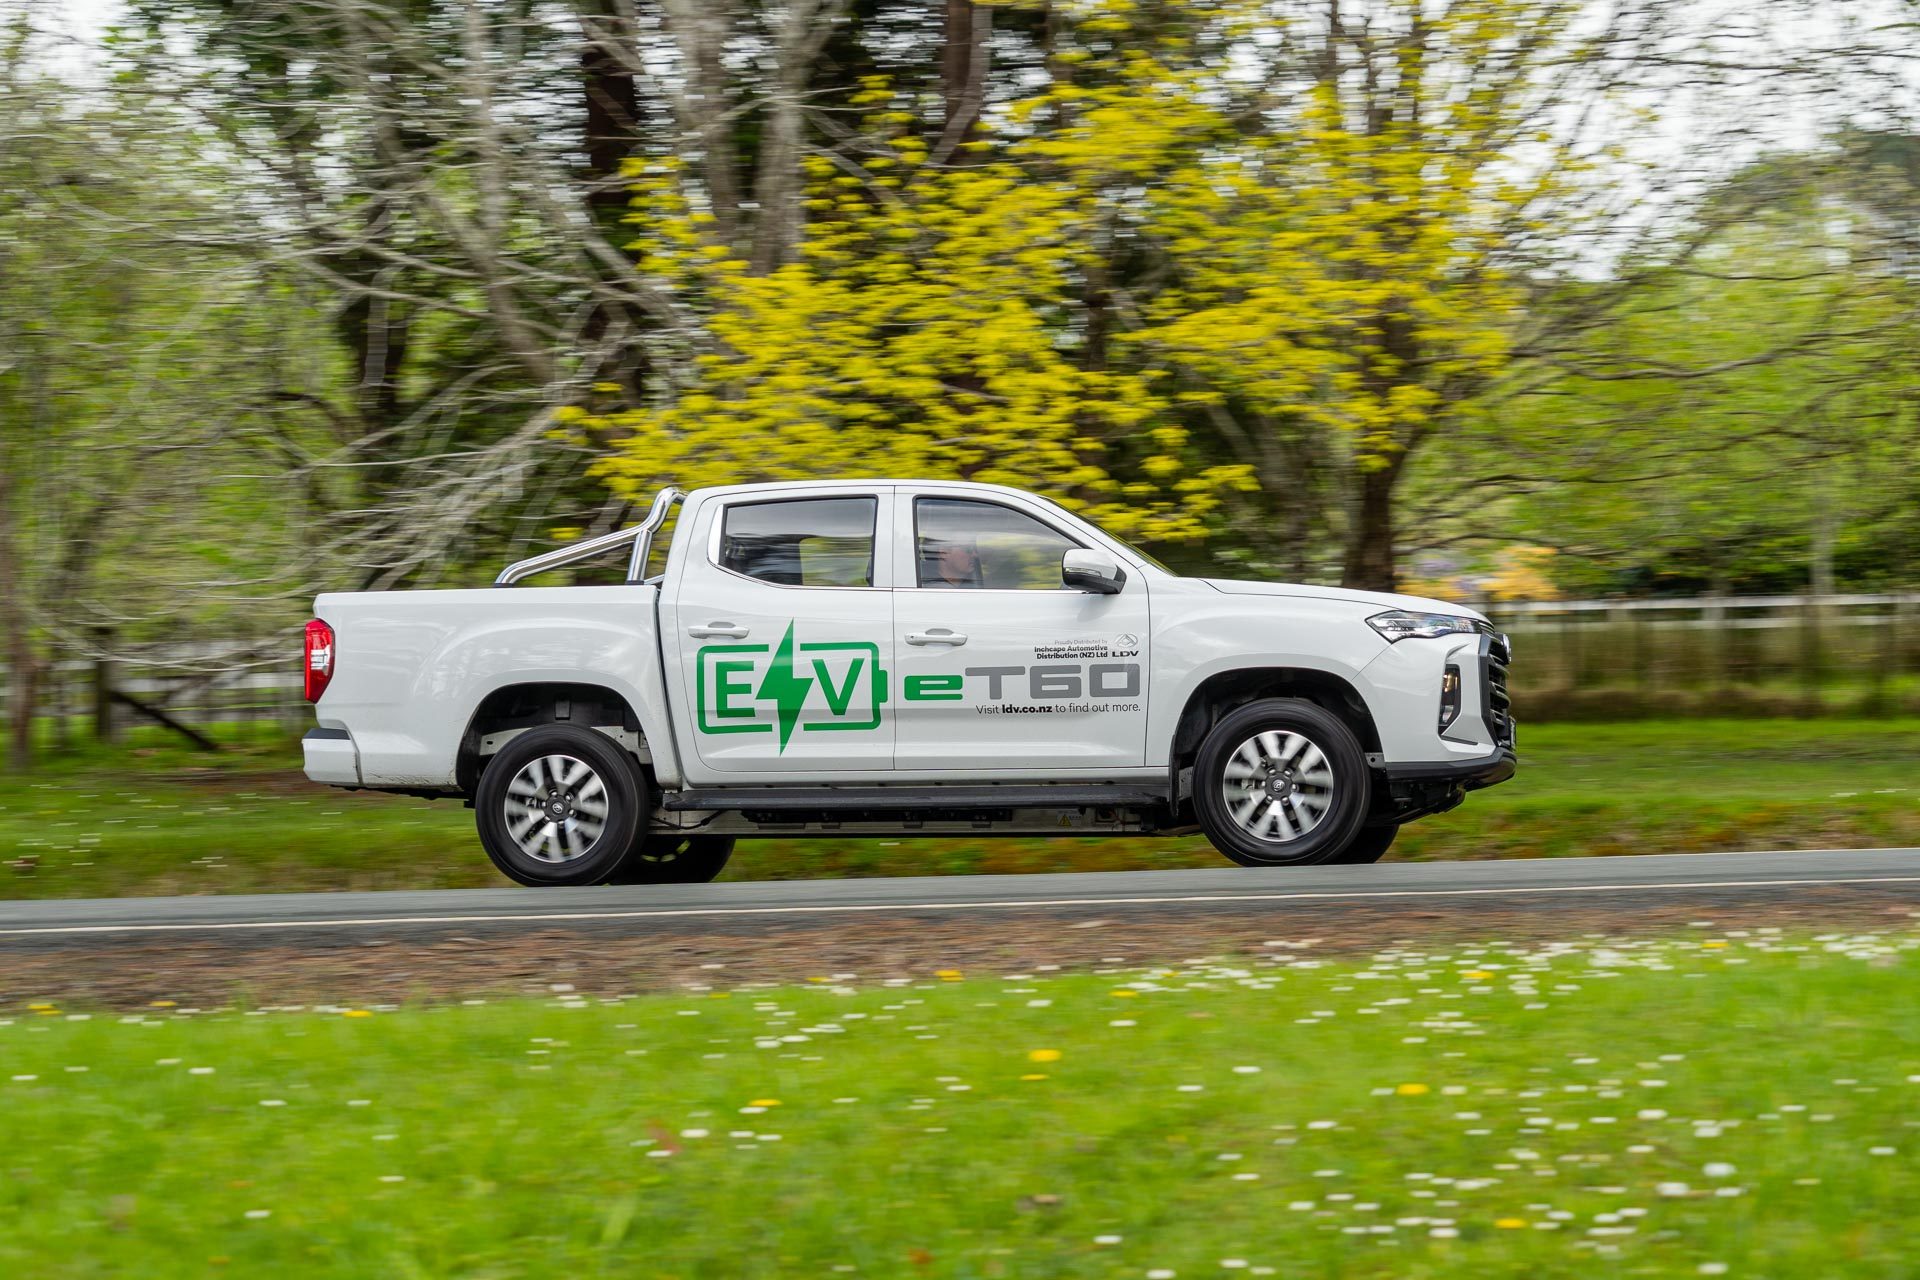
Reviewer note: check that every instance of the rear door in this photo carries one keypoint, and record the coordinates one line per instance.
(999, 666)
(781, 627)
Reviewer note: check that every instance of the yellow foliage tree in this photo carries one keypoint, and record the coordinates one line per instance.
(1126, 283)
(1523, 573)
(922, 333)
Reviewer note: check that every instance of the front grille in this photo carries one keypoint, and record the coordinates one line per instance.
(1499, 708)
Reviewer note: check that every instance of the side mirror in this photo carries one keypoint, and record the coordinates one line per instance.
(1092, 571)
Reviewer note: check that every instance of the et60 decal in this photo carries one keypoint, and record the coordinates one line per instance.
(840, 685)
(1054, 680)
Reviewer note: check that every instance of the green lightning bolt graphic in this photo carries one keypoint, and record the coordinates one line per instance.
(788, 691)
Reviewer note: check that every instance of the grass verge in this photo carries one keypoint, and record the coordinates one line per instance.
(1735, 1104)
(159, 820)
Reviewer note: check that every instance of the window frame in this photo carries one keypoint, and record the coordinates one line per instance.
(913, 544)
(717, 535)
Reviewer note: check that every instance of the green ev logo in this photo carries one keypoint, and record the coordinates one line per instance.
(813, 688)
(821, 688)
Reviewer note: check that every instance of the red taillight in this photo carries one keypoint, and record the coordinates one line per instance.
(319, 664)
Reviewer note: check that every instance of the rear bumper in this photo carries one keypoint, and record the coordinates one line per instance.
(331, 757)
(1468, 775)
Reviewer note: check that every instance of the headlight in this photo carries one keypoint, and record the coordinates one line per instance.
(1399, 624)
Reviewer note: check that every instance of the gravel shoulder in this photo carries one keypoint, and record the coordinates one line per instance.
(389, 966)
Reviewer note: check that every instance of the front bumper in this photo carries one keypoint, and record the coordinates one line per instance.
(1403, 688)
(1480, 739)
(331, 757)
(1423, 788)
(1468, 775)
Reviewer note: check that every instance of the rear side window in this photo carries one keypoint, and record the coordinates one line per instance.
(809, 542)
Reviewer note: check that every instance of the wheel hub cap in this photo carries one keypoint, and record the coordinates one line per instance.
(556, 808)
(1278, 786)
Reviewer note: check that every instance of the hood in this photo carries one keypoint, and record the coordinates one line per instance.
(1378, 600)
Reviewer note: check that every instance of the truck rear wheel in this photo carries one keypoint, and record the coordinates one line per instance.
(1280, 783)
(560, 805)
(658, 858)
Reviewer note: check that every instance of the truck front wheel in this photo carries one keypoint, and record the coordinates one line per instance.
(1281, 782)
(560, 805)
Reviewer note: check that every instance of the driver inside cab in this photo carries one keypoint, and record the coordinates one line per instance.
(955, 564)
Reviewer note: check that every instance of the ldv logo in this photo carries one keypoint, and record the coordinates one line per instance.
(811, 688)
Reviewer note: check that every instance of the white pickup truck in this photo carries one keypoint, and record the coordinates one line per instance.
(901, 657)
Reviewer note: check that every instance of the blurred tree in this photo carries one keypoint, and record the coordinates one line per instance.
(1298, 287)
(439, 173)
(1269, 272)
(1749, 418)
(447, 170)
(1218, 249)
(1339, 272)
(1276, 252)
(136, 434)
(940, 317)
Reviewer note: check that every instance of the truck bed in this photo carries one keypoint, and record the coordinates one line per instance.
(413, 665)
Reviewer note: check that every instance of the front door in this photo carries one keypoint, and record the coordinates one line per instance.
(784, 636)
(999, 667)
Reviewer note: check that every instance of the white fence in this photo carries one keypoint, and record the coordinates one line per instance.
(1863, 641)
(189, 685)
(1861, 646)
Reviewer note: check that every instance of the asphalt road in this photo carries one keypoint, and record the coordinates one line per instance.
(1626, 883)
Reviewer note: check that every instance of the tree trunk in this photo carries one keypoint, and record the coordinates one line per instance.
(963, 73)
(613, 111)
(1826, 522)
(610, 132)
(1820, 583)
(1369, 564)
(956, 55)
(779, 189)
(701, 31)
(375, 332)
(13, 628)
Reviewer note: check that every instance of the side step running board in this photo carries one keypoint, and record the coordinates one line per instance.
(814, 799)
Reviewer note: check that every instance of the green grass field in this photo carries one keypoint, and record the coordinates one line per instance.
(1737, 1104)
(157, 819)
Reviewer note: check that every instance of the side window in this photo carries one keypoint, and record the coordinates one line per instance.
(810, 542)
(959, 543)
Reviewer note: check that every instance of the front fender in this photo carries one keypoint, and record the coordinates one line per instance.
(1202, 634)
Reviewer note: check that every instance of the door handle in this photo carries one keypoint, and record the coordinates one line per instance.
(939, 635)
(713, 630)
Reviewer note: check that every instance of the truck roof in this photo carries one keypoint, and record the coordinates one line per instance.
(829, 486)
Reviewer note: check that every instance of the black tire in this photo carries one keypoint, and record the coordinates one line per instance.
(658, 858)
(581, 855)
(1280, 750)
(1370, 845)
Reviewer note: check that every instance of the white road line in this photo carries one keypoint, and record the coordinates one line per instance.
(903, 907)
